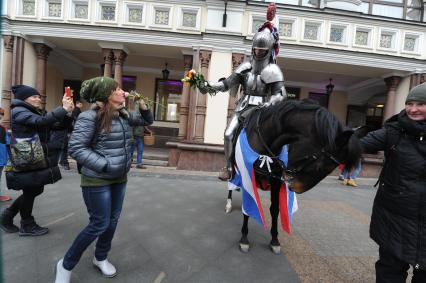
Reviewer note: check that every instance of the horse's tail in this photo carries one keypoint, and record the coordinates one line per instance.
(354, 151)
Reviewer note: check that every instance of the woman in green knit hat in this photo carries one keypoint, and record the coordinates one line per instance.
(100, 143)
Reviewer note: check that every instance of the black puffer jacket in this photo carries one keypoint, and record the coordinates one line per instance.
(105, 155)
(398, 222)
(26, 121)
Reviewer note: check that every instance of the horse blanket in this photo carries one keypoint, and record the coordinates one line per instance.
(245, 179)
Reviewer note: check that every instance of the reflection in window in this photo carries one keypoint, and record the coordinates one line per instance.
(310, 3)
(167, 100)
(388, 11)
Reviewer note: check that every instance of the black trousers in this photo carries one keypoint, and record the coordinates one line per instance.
(390, 269)
(64, 154)
(25, 202)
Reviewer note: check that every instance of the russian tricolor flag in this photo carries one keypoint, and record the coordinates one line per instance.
(244, 178)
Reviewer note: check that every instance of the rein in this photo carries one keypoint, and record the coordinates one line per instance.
(272, 156)
(307, 159)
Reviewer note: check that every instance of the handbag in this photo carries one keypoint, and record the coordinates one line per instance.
(26, 154)
(31, 179)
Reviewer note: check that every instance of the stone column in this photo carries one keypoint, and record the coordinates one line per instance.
(391, 84)
(119, 56)
(237, 59)
(184, 103)
(7, 78)
(200, 108)
(42, 51)
(108, 58)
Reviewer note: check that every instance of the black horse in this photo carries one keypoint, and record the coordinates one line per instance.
(317, 142)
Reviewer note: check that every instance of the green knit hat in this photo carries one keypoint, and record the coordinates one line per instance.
(417, 93)
(97, 89)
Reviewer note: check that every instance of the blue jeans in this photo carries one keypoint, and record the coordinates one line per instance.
(104, 206)
(354, 173)
(139, 146)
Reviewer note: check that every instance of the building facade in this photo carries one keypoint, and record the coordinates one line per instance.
(358, 58)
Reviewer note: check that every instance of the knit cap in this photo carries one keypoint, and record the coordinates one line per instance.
(22, 92)
(417, 93)
(97, 89)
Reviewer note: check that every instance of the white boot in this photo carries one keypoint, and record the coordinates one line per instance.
(107, 269)
(62, 275)
(228, 207)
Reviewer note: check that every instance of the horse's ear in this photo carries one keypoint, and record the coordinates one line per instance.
(343, 137)
(362, 131)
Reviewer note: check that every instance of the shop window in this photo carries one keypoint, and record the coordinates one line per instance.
(168, 95)
(321, 98)
(293, 92)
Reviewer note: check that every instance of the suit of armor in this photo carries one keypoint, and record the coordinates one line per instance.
(262, 82)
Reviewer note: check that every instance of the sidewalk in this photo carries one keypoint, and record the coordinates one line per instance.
(173, 229)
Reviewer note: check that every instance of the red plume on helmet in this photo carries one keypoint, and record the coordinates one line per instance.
(270, 14)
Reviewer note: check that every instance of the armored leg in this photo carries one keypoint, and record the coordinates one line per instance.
(228, 137)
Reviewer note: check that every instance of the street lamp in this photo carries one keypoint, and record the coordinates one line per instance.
(329, 88)
(165, 73)
(224, 15)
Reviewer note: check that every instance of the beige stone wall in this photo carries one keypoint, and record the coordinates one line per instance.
(338, 105)
(401, 94)
(54, 87)
(217, 106)
(30, 65)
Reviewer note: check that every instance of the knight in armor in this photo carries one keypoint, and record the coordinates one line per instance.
(261, 80)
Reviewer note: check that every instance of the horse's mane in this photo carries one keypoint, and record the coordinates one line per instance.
(327, 126)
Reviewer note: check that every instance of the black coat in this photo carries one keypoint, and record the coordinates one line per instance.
(26, 121)
(398, 221)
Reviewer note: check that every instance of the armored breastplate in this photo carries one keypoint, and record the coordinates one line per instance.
(253, 85)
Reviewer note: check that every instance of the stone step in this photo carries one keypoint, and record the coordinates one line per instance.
(153, 162)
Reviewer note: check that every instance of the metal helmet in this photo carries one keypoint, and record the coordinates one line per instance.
(262, 48)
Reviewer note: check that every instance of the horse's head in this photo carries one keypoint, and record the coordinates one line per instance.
(317, 141)
(310, 162)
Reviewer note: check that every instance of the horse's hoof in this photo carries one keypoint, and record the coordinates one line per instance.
(228, 207)
(275, 249)
(244, 247)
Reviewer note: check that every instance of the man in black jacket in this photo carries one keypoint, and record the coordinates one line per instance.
(398, 221)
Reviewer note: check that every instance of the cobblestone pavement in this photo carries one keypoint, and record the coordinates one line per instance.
(173, 229)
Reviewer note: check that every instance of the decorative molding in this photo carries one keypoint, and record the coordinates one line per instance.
(103, 34)
(42, 50)
(112, 45)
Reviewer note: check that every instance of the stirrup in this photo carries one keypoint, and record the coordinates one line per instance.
(225, 174)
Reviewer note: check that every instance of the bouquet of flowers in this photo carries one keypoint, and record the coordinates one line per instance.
(196, 80)
(135, 96)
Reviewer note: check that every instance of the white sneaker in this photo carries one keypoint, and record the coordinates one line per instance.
(107, 269)
(62, 275)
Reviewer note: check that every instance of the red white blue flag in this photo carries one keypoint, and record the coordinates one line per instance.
(244, 178)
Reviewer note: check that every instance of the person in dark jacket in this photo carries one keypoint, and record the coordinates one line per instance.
(398, 221)
(63, 161)
(27, 120)
(101, 143)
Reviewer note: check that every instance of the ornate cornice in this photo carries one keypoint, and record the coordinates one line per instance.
(226, 42)
(42, 50)
(8, 43)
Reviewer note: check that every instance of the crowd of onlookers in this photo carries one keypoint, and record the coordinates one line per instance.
(102, 140)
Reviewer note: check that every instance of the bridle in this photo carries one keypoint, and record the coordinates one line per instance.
(306, 160)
